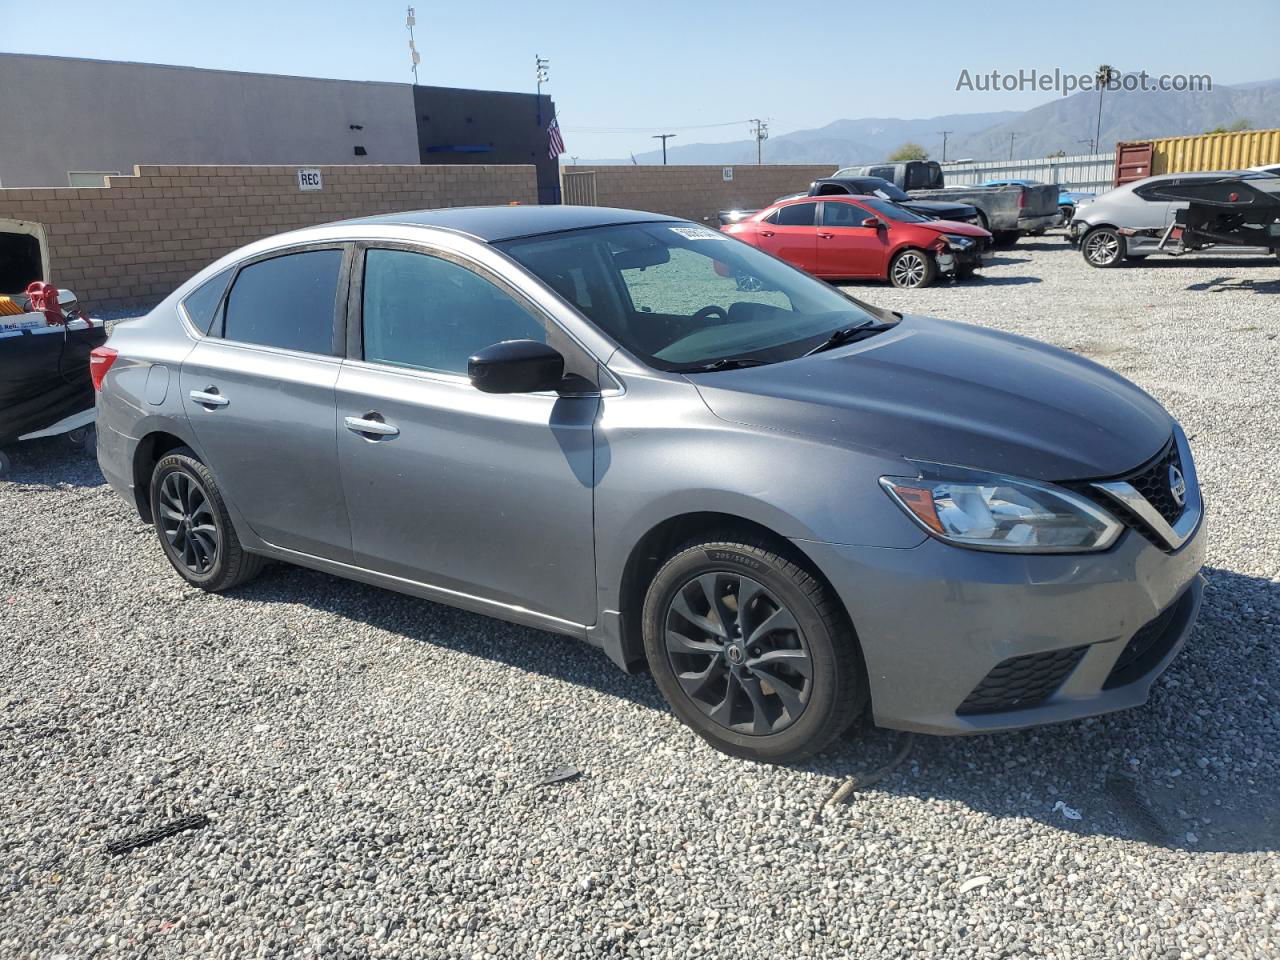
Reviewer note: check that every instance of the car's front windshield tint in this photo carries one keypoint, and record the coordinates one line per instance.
(681, 296)
(891, 211)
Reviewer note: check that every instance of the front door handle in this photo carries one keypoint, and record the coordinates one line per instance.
(370, 427)
(826, 236)
(209, 397)
(766, 233)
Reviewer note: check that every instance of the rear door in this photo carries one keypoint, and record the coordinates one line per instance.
(791, 234)
(485, 495)
(259, 394)
(845, 247)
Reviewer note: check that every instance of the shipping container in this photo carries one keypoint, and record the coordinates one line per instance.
(1236, 150)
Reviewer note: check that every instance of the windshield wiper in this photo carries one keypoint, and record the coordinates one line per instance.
(851, 335)
(726, 363)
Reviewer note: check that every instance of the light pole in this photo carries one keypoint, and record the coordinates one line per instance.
(542, 71)
(414, 59)
(1103, 77)
(664, 137)
(945, 134)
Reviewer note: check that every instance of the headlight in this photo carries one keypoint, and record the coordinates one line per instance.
(988, 512)
(960, 243)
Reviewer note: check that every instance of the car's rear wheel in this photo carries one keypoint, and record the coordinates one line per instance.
(913, 268)
(193, 525)
(752, 651)
(1102, 247)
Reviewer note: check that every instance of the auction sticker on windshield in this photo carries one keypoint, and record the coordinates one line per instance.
(698, 233)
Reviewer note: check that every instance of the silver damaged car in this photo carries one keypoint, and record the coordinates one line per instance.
(788, 505)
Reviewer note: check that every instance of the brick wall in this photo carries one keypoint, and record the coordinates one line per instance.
(130, 243)
(698, 192)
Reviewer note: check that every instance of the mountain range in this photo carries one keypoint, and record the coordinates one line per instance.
(1060, 124)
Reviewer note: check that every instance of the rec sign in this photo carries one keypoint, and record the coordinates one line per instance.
(309, 179)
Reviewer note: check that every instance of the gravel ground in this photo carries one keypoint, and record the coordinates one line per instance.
(370, 763)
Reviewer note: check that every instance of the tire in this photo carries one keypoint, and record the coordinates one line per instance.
(1004, 239)
(1102, 247)
(701, 666)
(193, 526)
(5, 463)
(90, 443)
(912, 269)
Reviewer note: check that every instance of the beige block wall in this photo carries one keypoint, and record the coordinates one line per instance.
(699, 192)
(132, 242)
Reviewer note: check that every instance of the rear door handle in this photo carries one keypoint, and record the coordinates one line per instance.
(209, 397)
(826, 236)
(766, 233)
(372, 428)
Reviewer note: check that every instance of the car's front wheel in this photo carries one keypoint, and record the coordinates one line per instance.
(1102, 247)
(752, 651)
(194, 528)
(913, 268)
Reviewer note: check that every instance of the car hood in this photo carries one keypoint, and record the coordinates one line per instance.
(953, 226)
(951, 393)
(941, 207)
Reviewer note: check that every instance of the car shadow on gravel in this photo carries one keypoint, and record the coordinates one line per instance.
(51, 462)
(1224, 284)
(1195, 768)
(1006, 281)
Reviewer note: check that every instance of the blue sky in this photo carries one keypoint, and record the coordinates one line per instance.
(663, 65)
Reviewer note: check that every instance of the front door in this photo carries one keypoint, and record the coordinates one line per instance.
(258, 392)
(845, 247)
(486, 495)
(791, 235)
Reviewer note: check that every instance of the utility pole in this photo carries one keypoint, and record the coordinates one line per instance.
(1103, 77)
(541, 70)
(1012, 137)
(664, 137)
(1092, 148)
(945, 134)
(414, 59)
(761, 134)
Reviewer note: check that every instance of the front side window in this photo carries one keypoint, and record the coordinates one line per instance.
(835, 214)
(202, 303)
(680, 296)
(891, 211)
(429, 313)
(286, 302)
(797, 215)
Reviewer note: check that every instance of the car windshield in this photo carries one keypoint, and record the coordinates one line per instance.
(891, 211)
(681, 296)
(886, 190)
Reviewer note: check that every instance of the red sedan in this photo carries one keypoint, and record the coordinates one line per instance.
(847, 237)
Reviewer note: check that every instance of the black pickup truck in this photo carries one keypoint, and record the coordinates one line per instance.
(874, 187)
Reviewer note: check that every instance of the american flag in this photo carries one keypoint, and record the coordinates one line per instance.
(555, 142)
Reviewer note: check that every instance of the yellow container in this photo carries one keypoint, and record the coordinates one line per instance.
(1215, 151)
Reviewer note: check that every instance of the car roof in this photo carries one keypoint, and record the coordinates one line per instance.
(1193, 175)
(492, 224)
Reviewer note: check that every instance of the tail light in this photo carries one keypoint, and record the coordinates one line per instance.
(1023, 198)
(100, 361)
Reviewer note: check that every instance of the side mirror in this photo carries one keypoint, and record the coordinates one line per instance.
(516, 366)
(871, 222)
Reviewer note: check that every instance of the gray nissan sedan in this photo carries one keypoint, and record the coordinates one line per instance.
(628, 428)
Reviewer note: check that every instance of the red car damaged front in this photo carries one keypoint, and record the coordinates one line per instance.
(864, 237)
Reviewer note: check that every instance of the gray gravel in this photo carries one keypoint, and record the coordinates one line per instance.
(368, 761)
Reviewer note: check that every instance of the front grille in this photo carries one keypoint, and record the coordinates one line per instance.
(1021, 682)
(1149, 645)
(1152, 481)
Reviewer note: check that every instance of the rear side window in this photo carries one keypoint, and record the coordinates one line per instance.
(286, 302)
(202, 303)
(797, 215)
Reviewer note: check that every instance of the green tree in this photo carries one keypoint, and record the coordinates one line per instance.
(909, 151)
(1241, 124)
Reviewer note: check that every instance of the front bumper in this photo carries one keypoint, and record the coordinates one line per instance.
(936, 623)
